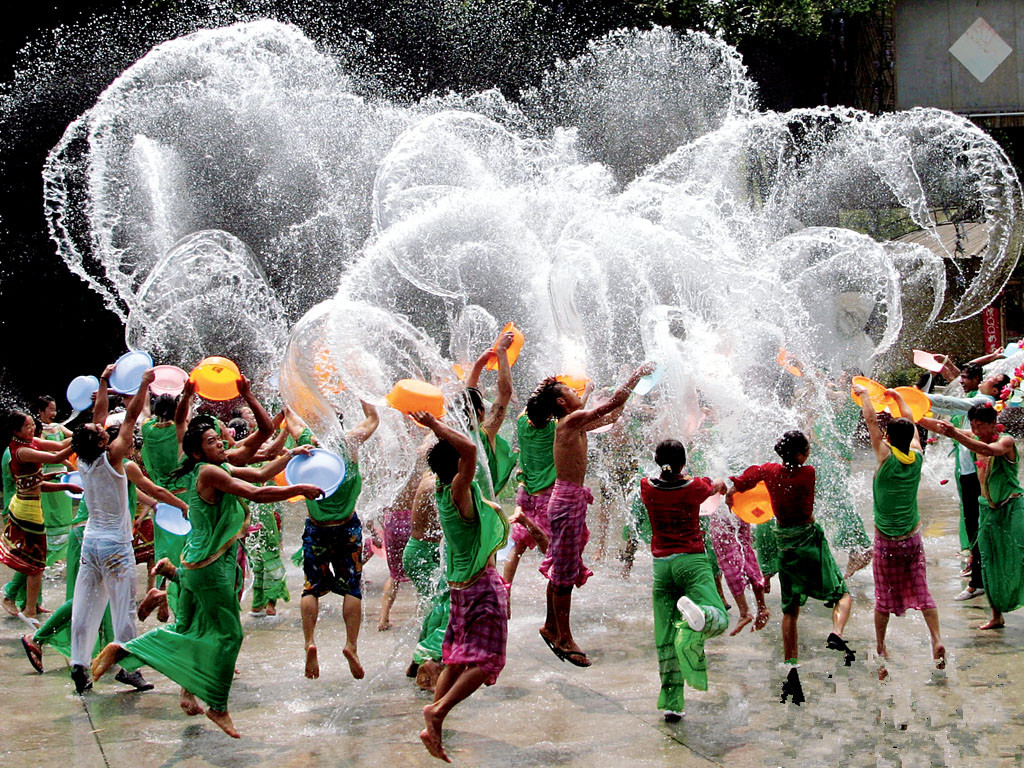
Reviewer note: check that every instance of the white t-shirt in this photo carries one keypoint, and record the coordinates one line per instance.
(106, 495)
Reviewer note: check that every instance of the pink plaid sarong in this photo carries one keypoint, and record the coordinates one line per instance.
(567, 511)
(535, 507)
(900, 578)
(734, 549)
(478, 625)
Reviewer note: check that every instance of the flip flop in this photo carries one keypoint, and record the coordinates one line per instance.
(33, 658)
(836, 643)
(570, 656)
(554, 648)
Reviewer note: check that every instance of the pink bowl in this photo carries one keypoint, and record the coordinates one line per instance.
(170, 380)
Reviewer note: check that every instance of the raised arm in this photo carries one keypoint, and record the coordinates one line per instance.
(125, 439)
(183, 411)
(496, 416)
(591, 418)
(905, 413)
(101, 403)
(362, 431)
(462, 494)
(478, 367)
(245, 452)
(867, 409)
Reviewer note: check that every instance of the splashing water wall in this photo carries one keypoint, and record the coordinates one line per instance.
(634, 205)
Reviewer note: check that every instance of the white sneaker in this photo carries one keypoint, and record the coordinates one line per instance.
(969, 594)
(694, 616)
(672, 717)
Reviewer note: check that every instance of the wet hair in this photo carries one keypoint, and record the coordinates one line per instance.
(164, 407)
(792, 444)
(86, 443)
(671, 457)
(972, 371)
(476, 400)
(443, 461)
(984, 413)
(205, 420)
(14, 421)
(542, 406)
(40, 403)
(239, 426)
(192, 444)
(900, 433)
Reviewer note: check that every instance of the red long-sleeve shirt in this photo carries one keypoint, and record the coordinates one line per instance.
(674, 511)
(791, 491)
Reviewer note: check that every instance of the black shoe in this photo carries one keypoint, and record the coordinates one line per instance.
(836, 643)
(134, 679)
(80, 675)
(793, 688)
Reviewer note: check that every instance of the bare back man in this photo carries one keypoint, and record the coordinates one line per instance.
(567, 510)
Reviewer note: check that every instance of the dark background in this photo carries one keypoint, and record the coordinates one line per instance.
(53, 327)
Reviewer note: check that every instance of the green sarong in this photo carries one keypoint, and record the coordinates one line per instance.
(421, 561)
(264, 550)
(806, 567)
(199, 652)
(1001, 538)
(57, 511)
(680, 649)
(767, 547)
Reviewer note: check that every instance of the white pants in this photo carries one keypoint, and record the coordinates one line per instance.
(106, 575)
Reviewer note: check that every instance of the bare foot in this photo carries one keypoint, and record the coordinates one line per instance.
(761, 620)
(223, 721)
(10, 606)
(163, 612)
(383, 626)
(745, 619)
(427, 674)
(431, 735)
(856, 562)
(767, 584)
(40, 609)
(312, 663)
(164, 567)
(993, 624)
(353, 663)
(883, 673)
(151, 602)
(189, 705)
(271, 609)
(939, 654)
(108, 657)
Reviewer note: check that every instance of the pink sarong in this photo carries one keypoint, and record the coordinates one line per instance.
(535, 507)
(397, 525)
(900, 575)
(477, 631)
(734, 549)
(567, 511)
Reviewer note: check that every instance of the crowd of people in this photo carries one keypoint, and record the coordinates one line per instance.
(219, 475)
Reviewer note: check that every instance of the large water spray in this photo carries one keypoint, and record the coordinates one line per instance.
(634, 205)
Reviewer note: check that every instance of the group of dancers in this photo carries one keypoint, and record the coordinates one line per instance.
(220, 475)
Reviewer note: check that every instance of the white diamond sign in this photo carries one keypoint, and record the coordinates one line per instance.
(980, 49)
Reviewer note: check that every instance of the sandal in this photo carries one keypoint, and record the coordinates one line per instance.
(554, 648)
(34, 658)
(576, 658)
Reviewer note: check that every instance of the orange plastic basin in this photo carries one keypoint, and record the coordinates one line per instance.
(753, 506)
(216, 378)
(513, 351)
(411, 395)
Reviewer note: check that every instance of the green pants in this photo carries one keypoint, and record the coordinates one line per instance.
(199, 652)
(56, 632)
(17, 589)
(1001, 538)
(421, 562)
(57, 514)
(680, 649)
(264, 549)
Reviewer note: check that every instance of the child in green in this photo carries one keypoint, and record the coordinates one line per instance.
(1001, 522)
(687, 607)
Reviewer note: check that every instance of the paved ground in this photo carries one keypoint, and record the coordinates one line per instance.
(546, 713)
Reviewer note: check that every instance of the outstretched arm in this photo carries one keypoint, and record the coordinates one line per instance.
(246, 451)
(214, 478)
(125, 439)
(147, 486)
(590, 418)
(462, 494)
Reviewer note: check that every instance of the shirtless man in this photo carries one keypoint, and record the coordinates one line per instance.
(563, 563)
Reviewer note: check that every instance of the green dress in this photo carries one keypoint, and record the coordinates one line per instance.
(57, 512)
(500, 463)
(421, 561)
(199, 652)
(1001, 533)
(833, 501)
(160, 453)
(264, 550)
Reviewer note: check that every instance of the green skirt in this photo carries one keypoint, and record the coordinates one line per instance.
(199, 652)
(767, 547)
(1001, 539)
(806, 567)
(421, 561)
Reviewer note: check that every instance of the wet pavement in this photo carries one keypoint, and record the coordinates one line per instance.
(544, 712)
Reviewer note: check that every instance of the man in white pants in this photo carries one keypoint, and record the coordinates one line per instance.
(107, 571)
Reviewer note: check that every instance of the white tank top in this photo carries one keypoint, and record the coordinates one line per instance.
(106, 495)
